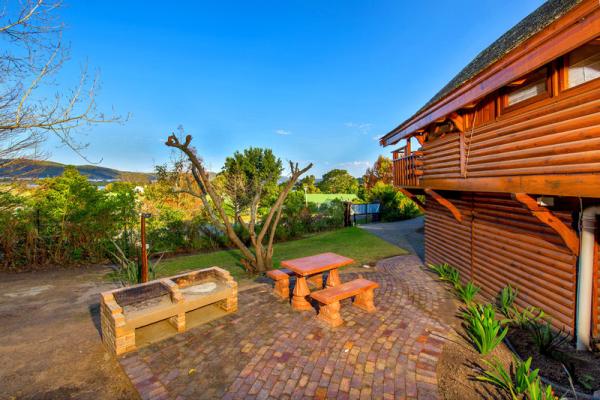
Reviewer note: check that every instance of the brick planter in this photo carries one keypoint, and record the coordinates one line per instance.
(125, 309)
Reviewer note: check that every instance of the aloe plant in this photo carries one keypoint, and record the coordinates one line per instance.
(526, 316)
(482, 327)
(452, 276)
(519, 381)
(506, 300)
(466, 293)
(439, 269)
(546, 338)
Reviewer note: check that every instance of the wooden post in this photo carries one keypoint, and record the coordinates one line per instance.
(144, 253)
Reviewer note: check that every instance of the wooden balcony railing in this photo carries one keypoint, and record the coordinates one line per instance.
(408, 169)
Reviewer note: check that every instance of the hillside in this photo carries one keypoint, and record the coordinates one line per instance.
(34, 169)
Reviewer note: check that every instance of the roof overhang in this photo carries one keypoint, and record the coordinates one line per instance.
(578, 26)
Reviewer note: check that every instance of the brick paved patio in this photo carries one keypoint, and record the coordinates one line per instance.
(268, 351)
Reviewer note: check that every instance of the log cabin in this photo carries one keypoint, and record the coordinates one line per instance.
(507, 155)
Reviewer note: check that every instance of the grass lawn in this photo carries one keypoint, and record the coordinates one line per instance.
(350, 242)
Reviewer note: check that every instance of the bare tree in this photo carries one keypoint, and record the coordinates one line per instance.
(259, 256)
(31, 53)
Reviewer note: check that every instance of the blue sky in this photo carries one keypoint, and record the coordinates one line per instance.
(313, 80)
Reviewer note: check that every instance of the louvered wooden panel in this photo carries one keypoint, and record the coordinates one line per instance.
(446, 239)
(512, 246)
(503, 243)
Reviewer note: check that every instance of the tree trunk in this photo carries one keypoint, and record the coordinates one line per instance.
(261, 260)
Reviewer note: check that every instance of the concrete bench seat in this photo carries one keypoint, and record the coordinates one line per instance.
(281, 277)
(329, 299)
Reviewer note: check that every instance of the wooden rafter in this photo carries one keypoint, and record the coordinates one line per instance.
(458, 121)
(546, 216)
(446, 203)
(413, 197)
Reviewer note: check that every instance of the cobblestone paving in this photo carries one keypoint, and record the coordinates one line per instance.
(269, 351)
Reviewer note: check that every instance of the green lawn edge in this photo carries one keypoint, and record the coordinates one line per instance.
(353, 242)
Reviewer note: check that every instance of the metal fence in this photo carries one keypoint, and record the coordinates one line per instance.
(362, 213)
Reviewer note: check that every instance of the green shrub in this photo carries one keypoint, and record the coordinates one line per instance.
(451, 275)
(505, 304)
(466, 293)
(523, 318)
(506, 299)
(519, 382)
(394, 205)
(482, 327)
(439, 269)
(128, 271)
(446, 273)
(546, 339)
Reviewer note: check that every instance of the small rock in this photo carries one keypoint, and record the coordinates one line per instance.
(366, 266)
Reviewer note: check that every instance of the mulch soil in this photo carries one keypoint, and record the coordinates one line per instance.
(583, 367)
(460, 364)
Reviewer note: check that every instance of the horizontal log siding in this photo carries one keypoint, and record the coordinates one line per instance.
(441, 157)
(446, 239)
(499, 242)
(512, 246)
(562, 136)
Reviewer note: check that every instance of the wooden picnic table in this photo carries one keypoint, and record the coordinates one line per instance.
(314, 266)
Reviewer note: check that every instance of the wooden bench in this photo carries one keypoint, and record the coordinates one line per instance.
(329, 299)
(281, 277)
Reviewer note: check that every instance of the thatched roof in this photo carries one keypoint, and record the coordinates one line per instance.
(543, 16)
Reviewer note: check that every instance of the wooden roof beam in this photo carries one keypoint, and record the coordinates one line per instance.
(413, 197)
(458, 121)
(446, 203)
(568, 235)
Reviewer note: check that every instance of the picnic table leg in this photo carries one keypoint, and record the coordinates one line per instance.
(316, 280)
(330, 313)
(334, 278)
(365, 301)
(299, 301)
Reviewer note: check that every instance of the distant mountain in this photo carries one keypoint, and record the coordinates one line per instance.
(34, 169)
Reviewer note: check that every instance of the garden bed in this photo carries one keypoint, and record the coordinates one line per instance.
(583, 366)
(459, 366)
(532, 358)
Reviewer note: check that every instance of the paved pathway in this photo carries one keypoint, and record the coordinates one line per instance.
(406, 234)
(268, 351)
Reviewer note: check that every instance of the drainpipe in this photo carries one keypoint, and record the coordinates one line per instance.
(585, 277)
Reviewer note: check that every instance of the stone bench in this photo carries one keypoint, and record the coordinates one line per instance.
(329, 299)
(124, 310)
(281, 277)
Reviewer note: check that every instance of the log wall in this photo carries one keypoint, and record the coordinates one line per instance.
(441, 157)
(561, 134)
(499, 242)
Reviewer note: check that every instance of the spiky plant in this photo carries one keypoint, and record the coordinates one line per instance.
(467, 292)
(482, 327)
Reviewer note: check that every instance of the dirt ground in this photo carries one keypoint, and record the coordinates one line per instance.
(51, 346)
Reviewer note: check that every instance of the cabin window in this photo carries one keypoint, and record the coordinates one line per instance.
(530, 88)
(583, 64)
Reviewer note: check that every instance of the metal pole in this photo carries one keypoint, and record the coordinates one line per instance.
(144, 253)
